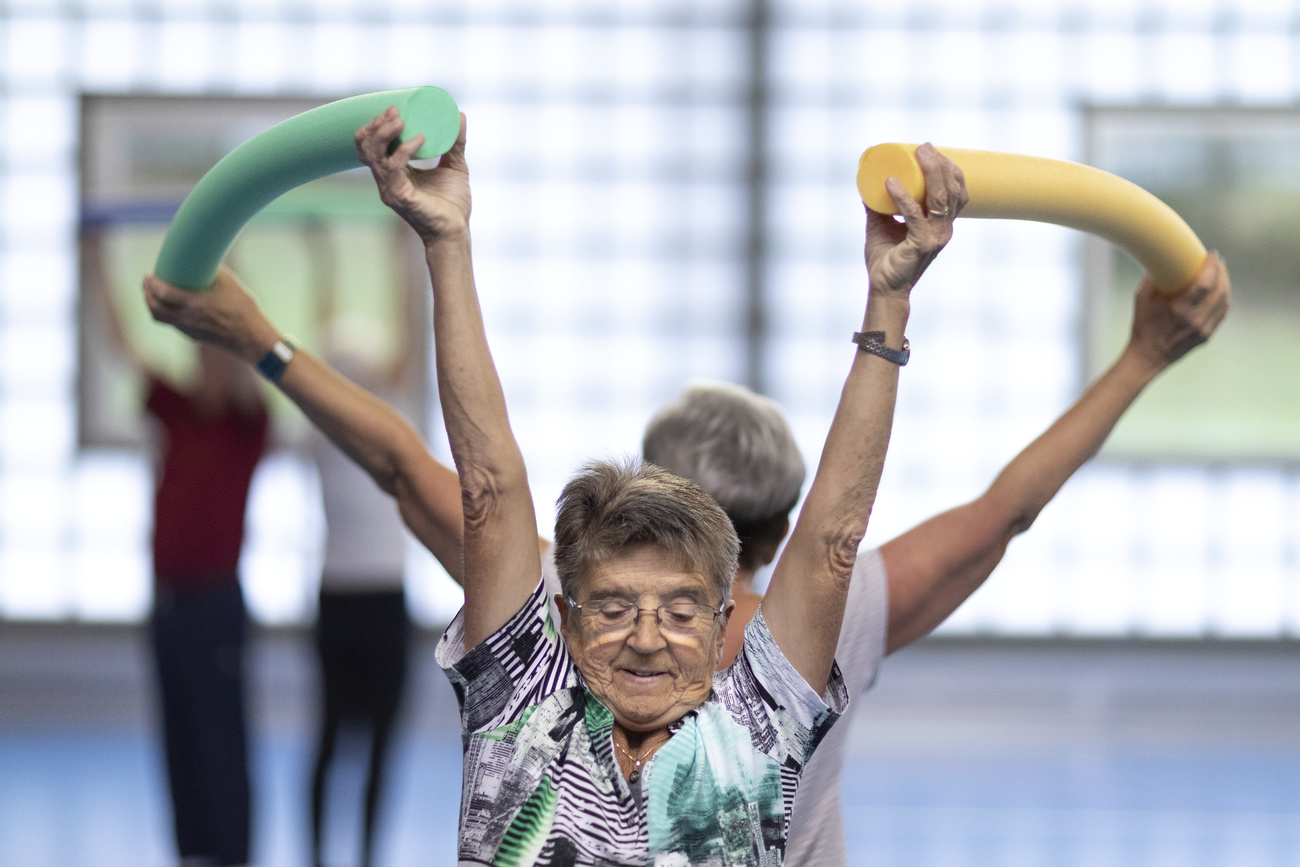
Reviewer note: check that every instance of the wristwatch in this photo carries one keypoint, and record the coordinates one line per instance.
(277, 358)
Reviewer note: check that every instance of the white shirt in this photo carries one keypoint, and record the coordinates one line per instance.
(365, 541)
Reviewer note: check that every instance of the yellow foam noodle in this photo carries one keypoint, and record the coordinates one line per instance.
(1009, 186)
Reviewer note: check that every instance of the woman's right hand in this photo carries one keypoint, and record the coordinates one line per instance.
(226, 315)
(435, 202)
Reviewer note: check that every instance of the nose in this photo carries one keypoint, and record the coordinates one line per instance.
(646, 635)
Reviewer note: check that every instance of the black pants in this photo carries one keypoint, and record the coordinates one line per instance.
(198, 643)
(362, 640)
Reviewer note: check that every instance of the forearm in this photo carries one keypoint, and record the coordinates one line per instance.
(102, 301)
(372, 433)
(473, 403)
(1030, 481)
(500, 527)
(1164, 329)
(368, 430)
(934, 567)
(810, 584)
(384, 444)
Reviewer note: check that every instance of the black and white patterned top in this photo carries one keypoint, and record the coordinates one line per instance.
(542, 785)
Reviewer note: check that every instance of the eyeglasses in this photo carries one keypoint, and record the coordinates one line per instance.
(617, 615)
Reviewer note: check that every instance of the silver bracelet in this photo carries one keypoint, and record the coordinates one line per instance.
(874, 342)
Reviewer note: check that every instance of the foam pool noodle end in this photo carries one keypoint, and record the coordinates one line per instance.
(305, 147)
(1017, 187)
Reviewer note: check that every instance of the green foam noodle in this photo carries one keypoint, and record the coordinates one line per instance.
(302, 148)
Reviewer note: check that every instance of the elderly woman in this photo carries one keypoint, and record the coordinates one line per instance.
(608, 738)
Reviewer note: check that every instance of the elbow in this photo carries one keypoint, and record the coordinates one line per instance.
(1006, 518)
(484, 488)
(1017, 524)
(477, 502)
(841, 547)
(398, 464)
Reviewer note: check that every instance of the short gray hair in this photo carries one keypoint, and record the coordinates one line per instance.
(612, 507)
(735, 444)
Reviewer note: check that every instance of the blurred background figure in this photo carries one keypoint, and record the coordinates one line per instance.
(211, 433)
(363, 630)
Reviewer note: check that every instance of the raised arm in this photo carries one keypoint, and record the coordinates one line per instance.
(502, 562)
(99, 295)
(804, 603)
(368, 430)
(402, 351)
(937, 565)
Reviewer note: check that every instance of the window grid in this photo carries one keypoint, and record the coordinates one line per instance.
(614, 211)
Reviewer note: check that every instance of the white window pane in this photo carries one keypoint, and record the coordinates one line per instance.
(101, 7)
(1186, 64)
(1174, 598)
(801, 58)
(496, 56)
(717, 58)
(33, 508)
(280, 561)
(33, 581)
(1189, 13)
(36, 50)
(1256, 59)
(113, 504)
(112, 53)
(111, 583)
(1031, 61)
(334, 57)
(37, 285)
(262, 49)
(184, 54)
(56, 120)
(1265, 13)
(37, 432)
(1110, 64)
(36, 361)
(39, 206)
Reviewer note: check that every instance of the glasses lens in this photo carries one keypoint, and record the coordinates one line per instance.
(680, 617)
(612, 614)
(683, 616)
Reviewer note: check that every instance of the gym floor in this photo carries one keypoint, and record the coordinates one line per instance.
(968, 752)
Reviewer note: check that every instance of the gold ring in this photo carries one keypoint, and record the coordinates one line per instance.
(934, 213)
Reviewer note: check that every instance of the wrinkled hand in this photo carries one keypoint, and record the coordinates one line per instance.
(435, 202)
(898, 253)
(1165, 329)
(226, 315)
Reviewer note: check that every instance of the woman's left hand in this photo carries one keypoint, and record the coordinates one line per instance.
(897, 253)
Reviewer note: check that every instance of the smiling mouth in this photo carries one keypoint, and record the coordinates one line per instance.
(642, 674)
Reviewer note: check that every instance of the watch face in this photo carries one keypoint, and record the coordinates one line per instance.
(272, 364)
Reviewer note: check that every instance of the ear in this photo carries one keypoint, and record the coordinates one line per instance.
(721, 639)
(562, 605)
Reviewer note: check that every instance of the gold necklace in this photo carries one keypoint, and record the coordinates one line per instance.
(636, 771)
